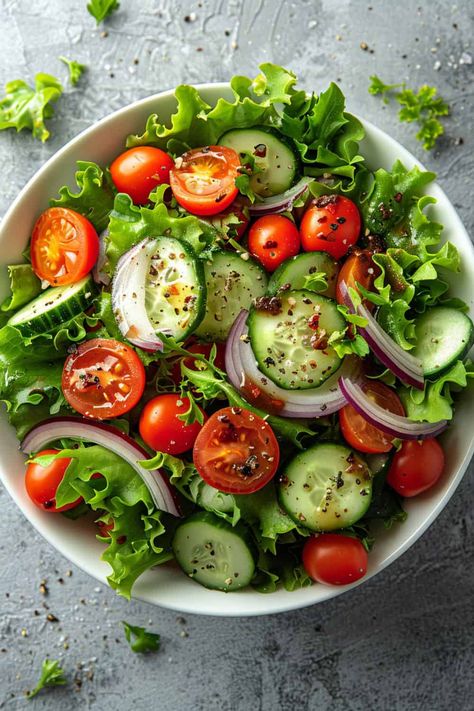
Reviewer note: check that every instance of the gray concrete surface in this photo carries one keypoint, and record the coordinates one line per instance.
(402, 641)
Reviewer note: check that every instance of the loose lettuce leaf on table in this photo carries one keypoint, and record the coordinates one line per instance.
(76, 69)
(27, 107)
(95, 195)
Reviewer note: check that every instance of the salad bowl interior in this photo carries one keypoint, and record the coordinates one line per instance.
(167, 586)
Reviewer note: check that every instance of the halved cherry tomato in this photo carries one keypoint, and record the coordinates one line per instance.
(236, 451)
(272, 239)
(103, 378)
(64, 246)
(331, 224)
(416, 467)
(359, 433)
(161, 428)
(359, 268)
(334, 559)
(139, 170)
(42, 482)
(201, 349)
(203, 179)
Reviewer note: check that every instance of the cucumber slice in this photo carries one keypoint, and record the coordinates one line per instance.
(214, 500)
(325, 488)
(53, 307)
(443, 335)
(213, 553)
(297, 271)
(175, 292)
(288, 350)
(277, 162)
(232, 284)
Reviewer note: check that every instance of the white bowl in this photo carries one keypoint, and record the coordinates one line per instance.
(167, 586)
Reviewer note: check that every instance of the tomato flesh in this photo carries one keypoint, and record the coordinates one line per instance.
(103, 378)
(359, 433)
(416, 467)
(64, 246)
(334, 559)
(236, 451)
(139, 170)
(272, 239)
(161, 428)
(42, 482)
(203, 179)
(332, 224)
(359, 268)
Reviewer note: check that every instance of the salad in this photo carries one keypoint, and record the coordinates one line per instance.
(236, 345)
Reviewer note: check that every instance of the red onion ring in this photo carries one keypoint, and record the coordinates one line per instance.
(402, 364)
(282, 202)
(241, 367)
(394, 425)
(128, 297)
(111, 438)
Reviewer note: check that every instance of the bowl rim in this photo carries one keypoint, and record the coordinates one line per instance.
(286, 603)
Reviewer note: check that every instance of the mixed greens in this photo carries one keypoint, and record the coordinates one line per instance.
(328, 283)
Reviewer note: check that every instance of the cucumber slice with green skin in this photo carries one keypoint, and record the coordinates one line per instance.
(53, 307)
(214, 500)
(297, 271)
(443, 335)
(232, 283)
(326, 488)
(290, 351)
(175, 292)
(277, 162)
(213, 553)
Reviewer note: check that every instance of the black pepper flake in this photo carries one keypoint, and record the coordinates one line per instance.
(334, 225)
(52, 618)
(341, 220)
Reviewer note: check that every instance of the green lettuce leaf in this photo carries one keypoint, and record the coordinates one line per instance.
(140, 640)
(95, 195)
(435, 402)
(196, 123)
(25, 107)
(24, 286)
(141, 536)
(130, 224)
(101, 9)
(51, 675)
(76, 70)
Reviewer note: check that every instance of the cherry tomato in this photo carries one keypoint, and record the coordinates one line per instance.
(416, 467)
(203, 179)
(334, 559)
(235, 230)
(64, 246)
(139, 170)
(161, 428)
(202, 349)
(272, 239)
(357, 269)
(103, 378)
(42, 482)
(331, 224)
(359, 433)
(236, 451)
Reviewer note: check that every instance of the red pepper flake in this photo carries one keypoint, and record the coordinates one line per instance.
(319, 341)
(260, 150)
(326, 200)
(313, 322)
(398, 197)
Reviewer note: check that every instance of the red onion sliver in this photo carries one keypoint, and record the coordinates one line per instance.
(394, 425)
(280, 203)
(403, 364)
(110, 438)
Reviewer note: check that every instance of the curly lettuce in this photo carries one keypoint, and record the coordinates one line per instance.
(26, 107)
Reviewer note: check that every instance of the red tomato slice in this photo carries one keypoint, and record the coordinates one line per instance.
(41, 482)
(203, 179)
(236, 451)
(359, 433)
(331, 224)
(334, 559)
(161, 427)
(103, 378)
(272, 239)
(139, 170)
(359, 268)
(64, 246)
(416, 467)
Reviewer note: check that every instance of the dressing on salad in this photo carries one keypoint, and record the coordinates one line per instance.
(236, 345)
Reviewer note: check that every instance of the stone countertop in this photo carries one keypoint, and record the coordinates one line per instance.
(404, 639)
